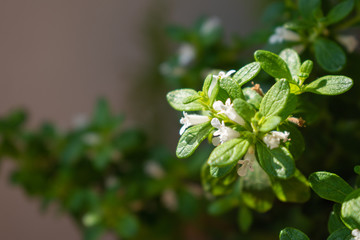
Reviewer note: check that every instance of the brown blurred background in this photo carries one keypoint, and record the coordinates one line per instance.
(58, 56)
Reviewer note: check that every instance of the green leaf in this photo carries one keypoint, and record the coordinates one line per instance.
(277, 162)
(274, 65)
(339, 12)
(219, 185)
(341, 234)
(252, 97)
(127, 225)
(330, 85)
(295, 189)
(102, 115)
(221, 171)
(223, 205)
(275, 99)
(231, 87)
(221, 95)
(269, 123)
(350, 210)
(229, 152)
(292, 234)
(357, 169)
(247, 73)
(257, 193)
(335, 222)
(244, 219)
(191, 139)
(309, 9)
(191, 99)
(289, 107)
(244, 109)
(207, 83)
(296, 145)
(329, 55)
(177, 98)
(292, 60)
(329, 186)
(93, 233)
(305, 70)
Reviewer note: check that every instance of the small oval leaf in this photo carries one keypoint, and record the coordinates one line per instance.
(191, 139)
(277, 162)
(330, 85)
(177, 98)
(229, 152)
(292, 234)
(247, 73)
(274, 65)
(350, 210)
(329, 55)
(329, 186)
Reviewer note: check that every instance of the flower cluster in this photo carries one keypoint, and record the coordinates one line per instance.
(356, 234)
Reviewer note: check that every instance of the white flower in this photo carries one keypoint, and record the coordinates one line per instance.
(169, 199)
(223, 133)
(210, 25)
(356, 234)
(247, 162)
(91, 139)
(299, 48)
(282, 34)
(154, 170)
(190, 120)
(228, 110)
(186, 54)
(218, 77)
(349, 42)
(80, 121)
(272, 139)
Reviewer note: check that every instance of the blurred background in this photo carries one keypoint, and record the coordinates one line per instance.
(58, 57)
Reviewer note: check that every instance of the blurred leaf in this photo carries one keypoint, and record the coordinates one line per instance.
(244, 219)
(257, 193)
(339, 12)
(357, 169)
(127, 225)
(219, 185)
(309, 9)
(223, 205)
(329, 55)
(93, 233)
(295, 189)
(296, 145)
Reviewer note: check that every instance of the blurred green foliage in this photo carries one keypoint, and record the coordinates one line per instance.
(110, 178)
